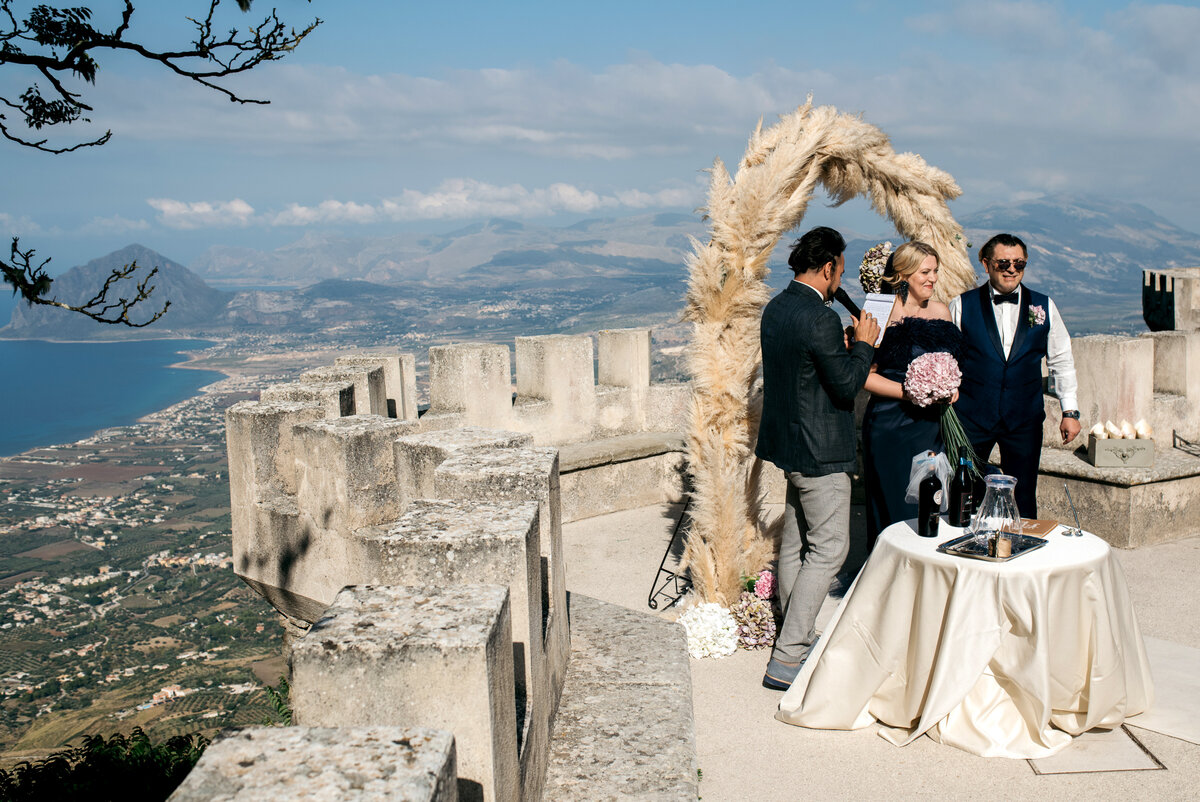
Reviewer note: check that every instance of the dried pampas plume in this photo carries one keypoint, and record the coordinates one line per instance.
(747, 215)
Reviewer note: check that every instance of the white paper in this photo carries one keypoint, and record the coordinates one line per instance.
(879, 306)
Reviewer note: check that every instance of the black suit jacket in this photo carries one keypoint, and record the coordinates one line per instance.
(809, 384)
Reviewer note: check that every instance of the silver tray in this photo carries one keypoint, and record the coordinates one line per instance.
(967, 546)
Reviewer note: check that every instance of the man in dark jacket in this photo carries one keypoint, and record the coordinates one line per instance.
(810, 380)
(1008, 330)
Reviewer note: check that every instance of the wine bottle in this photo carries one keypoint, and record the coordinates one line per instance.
(929, 505)
(962, 494)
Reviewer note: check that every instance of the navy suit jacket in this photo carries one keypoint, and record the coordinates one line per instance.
(998, 394)
(809, 384)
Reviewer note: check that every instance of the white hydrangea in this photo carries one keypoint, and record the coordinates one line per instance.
(711, 630)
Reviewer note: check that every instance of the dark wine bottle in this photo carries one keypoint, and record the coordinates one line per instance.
(962, 494)
(929, 506)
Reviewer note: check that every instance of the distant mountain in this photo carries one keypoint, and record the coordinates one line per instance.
(1089, 254)
(193, 303)
(504, 276)
(495, 250)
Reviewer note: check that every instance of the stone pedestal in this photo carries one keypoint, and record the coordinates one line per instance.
(1128, 507)
(361, 764)
(434, 657)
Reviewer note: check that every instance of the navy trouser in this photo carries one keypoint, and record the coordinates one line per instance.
(1020, 455)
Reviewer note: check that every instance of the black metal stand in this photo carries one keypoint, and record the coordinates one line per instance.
(679, 583)
(1186, 446)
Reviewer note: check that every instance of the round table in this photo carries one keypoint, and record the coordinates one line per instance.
(1001, 659)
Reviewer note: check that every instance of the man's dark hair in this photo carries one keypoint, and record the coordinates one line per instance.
(815, 248)
(1008, 240)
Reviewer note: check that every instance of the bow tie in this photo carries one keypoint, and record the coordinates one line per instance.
(1011, 298)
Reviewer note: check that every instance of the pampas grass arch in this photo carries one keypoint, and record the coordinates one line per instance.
(748, 214)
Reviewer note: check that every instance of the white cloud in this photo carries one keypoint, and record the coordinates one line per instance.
(202, 214)
(453, 199)
(463, 198)
(330, 211)
(12, 225)
(1008, 96)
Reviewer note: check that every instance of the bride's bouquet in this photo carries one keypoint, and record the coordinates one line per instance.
(933, 378)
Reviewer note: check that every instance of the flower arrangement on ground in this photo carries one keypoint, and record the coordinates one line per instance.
(933, 378)
(755, 611)
(711, 630)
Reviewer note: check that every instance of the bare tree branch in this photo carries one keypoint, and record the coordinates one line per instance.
(29, 278)
(61, 42)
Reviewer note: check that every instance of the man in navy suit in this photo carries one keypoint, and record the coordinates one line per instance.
(810, 379)
(1008, 330)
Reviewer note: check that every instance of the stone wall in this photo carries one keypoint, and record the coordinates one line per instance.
(418, 559)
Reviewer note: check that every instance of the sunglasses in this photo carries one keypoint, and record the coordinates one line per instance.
(1004, 264)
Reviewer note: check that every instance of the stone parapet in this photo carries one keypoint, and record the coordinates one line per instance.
(623, 358)
(369, 395)
(484, 476)
(1171, 299)
(347, 472)
(341, 517)
(437, 657)
(417, 456)
(355, 764)
(399, 380)
(559, 369)
(474, 379)
(1128, 507)
(1116, 378)
(336, 398)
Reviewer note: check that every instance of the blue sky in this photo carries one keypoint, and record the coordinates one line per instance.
(400, 116)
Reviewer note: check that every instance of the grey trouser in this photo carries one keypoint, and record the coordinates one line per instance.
(815, 542)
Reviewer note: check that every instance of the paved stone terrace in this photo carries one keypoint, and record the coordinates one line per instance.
(744, 753)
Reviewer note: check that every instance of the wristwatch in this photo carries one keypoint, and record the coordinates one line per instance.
(1071, 413)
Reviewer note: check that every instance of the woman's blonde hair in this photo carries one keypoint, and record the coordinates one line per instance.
(905, 261)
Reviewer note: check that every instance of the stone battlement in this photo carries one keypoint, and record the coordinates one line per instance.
(418, 559)
(1171, 299)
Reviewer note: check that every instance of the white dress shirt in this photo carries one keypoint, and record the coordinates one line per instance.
(1058, 345)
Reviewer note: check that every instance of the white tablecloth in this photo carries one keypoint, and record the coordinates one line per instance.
(999, 659)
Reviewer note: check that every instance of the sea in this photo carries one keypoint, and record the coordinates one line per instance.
(60, 392)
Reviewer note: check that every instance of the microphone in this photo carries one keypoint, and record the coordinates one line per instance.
(845, 300)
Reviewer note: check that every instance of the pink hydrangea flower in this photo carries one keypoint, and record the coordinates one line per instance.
(931, 378)
(1037, 315)
(764, 588)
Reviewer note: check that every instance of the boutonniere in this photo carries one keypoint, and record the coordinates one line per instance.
(1037, 315)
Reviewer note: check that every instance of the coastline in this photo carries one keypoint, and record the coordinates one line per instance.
(189, 361)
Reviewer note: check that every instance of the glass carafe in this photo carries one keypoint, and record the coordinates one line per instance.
(998, 516)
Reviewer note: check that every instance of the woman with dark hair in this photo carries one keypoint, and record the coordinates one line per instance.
(894, 429)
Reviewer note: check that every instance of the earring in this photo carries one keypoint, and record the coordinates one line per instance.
(902, 291)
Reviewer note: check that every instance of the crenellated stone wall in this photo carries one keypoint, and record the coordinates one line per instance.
(1171, 299)
(418, 558)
